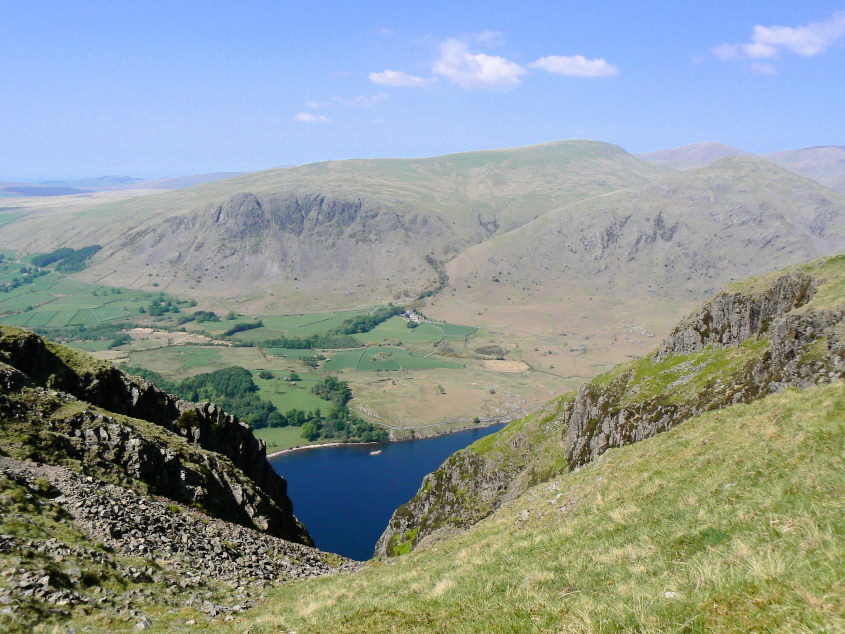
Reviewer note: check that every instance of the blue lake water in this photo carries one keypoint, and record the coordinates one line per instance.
(345, 496)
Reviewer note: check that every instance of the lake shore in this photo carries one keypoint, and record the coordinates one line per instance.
(321, 446)
(482, 425)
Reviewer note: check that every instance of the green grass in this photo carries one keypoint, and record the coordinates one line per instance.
(730, 522)
(680, 377)
(296, 325)
(177, 362)
(284, 396)
(54, 300)
(396, 329)
(280, 438)
(384, 358)
(290, 353)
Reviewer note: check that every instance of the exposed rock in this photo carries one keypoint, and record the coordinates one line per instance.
(175, 553)
(228, 441)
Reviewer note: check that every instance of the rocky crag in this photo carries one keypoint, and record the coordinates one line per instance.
(63, 407)
(755, 338)
(76, 545)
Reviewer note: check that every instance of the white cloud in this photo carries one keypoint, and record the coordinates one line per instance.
(767, 42)
(308, 117)
(364, 101)
(397, 78)
(575, 66)
(476, 70)
(488, 38)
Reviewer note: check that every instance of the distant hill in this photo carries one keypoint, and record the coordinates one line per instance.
(331, 234)
(576, 246)
(825, 164)
(682, 236)
(692, 156)
(107, 183)
(42, 190)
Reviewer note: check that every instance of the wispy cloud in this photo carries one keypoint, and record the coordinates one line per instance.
(575, 66)
(364, 101)
(476, 70)
(397, 78)
(308, 117)
(768, 42)
(764, 68)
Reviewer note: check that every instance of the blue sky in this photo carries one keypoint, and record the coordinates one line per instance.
(162, 89)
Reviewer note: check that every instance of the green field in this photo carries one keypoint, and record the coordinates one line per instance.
(279, 438)
(396, 329)
(285, 395)
(10, 216)
(290, 353)
(178, 362)
(73, 310)
(296, 325)
(381, 358)
(57, 301)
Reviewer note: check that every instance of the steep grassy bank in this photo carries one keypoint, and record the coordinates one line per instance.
(753, 339)
(730, 522)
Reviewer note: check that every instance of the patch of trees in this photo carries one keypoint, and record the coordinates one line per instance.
(119, 340)
(339, 337)
(339, 423)
(325, 340)
(28, 274)
(160, 306)
(242, 327)
(235, 391)
(65, 258)
(232, 388)
(331, 389)
(365, 323)
(200, 316)
(95, 332)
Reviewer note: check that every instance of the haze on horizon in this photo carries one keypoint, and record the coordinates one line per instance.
(166, 89)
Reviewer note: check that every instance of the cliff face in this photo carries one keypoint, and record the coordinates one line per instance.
(775, 332)
(58, 404)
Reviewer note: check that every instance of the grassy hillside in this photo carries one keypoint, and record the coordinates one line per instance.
(579, 288)
(823, 164)
(730, 522)
(307, 233)
(758, 336)
(692, 156)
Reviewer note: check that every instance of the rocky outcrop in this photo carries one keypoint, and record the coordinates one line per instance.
(230, 477)
(732, 317)
(738, 347)
(804, 349)
(153, 548)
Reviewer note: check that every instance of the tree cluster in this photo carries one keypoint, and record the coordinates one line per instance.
(65, 258)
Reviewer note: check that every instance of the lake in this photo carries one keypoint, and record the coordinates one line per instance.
(345, 496)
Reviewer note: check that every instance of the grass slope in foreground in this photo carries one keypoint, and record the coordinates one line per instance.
(730, 522)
